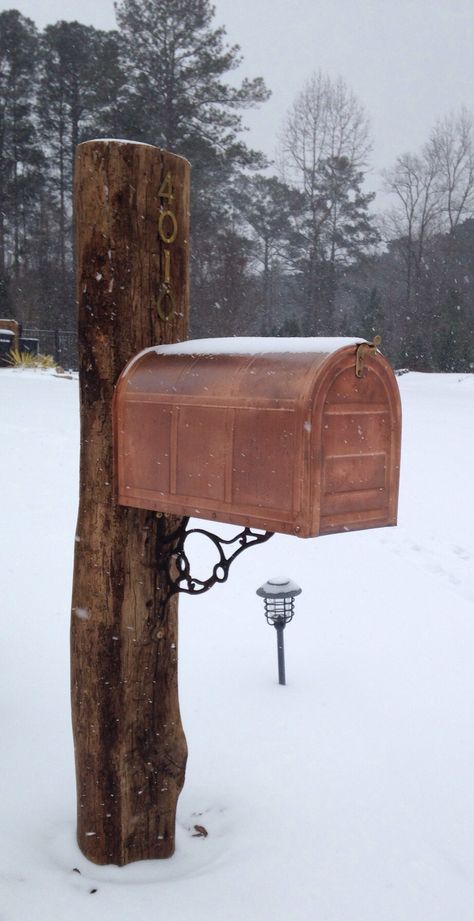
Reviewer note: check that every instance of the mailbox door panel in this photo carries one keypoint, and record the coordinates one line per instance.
(360, 442)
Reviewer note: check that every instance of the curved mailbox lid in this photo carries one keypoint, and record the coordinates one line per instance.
(235, 430)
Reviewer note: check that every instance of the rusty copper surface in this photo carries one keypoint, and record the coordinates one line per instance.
(285, 441)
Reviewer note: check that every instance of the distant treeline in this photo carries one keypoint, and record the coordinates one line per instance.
(294, 249)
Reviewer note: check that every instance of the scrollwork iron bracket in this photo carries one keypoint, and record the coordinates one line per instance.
(174, 567)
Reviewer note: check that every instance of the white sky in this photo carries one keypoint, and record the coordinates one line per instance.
(409, 61)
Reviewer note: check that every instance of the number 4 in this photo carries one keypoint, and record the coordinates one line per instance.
(166, 188)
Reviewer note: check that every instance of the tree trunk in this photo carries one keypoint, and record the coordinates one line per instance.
(62, 203)
(130, 747)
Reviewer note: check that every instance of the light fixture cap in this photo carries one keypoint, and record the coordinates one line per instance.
(279, 587)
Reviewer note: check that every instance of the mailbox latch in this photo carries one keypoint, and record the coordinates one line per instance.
(364, 349)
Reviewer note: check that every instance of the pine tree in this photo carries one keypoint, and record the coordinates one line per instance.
(175, 95)
(370, 320)
(79, 85)
(175, 63)
(269, 208)
(20, 155)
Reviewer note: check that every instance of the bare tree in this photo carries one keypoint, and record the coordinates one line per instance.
(433, 196)
(451, 150)
(324, 147)
(434, 190)
(325, 121)
(413, 181)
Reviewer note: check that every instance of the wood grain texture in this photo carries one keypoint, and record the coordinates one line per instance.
(130, 748)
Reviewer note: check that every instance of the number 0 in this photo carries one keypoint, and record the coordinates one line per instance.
(167, 237)
(165, 295)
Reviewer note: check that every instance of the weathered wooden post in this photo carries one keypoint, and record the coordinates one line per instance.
(131, 225)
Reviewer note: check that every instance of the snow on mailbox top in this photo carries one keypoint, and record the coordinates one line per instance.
(272, 433)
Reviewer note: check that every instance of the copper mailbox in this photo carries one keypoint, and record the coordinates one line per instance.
(300, 436)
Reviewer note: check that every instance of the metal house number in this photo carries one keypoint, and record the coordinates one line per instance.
(167, 232)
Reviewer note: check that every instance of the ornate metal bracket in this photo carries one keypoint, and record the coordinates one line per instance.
(178, 573)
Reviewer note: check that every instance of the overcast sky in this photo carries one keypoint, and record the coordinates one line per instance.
(410, 62)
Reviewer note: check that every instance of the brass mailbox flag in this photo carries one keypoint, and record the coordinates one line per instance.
(275, 434)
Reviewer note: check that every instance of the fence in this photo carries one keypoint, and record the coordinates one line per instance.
(60, 343)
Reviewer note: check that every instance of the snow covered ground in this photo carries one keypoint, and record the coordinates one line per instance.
(346, 795)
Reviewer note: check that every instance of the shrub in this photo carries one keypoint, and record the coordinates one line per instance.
(19, 359)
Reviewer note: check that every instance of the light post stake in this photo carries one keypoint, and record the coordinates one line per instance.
(279, 627)
(279, 595)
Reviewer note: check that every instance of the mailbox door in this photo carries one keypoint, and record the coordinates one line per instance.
(360, 423)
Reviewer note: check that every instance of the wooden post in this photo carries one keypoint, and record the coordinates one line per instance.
(131, 225)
